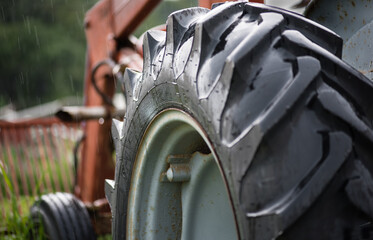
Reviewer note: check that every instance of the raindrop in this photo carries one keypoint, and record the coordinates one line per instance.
(2, 11)
(27, 23)
(71, 82)
(36, 37)
(19, 43)
(101, 121)
(27, 83)
(80, 22)
(22, 80)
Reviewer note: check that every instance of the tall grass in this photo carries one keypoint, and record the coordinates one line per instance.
(40, 163)
(20, 226)
(17, 226)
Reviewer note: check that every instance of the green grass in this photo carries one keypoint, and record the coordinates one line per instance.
(23, 204)
(16, 223)
(105, 237)
(41, 164)
(17, 226)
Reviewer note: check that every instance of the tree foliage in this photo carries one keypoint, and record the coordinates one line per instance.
(42, 50)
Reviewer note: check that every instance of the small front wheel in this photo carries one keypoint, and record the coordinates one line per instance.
(61, 216)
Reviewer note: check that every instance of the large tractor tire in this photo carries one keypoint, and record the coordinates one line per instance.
(244, 124)
(61, 216)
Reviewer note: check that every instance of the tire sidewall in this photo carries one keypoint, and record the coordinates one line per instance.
(158, 98)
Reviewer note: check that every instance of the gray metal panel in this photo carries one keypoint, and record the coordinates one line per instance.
(352, 20)
(358, 50)
(344, 17)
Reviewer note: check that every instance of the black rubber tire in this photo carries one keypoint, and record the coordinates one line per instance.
(63, 216)
(290, 122)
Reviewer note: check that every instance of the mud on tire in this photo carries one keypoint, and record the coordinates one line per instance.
(291, 123)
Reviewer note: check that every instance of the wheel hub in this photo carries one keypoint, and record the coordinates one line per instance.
(177, 189)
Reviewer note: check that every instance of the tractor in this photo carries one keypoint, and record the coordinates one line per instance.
(243, 121)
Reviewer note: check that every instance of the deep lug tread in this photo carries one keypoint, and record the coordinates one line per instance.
(217, 98)
(343, 79)
(360, 187)
(251, 137)
(131, 80)
(270, 108)
(335, 104)
(177, 25)
(317, 33)
(247, 48)
(212, 32)
(295, 203)
(153, 43)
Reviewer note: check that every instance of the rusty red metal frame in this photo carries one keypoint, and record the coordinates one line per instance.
(32, 150)
(34, 122)
(107, 25)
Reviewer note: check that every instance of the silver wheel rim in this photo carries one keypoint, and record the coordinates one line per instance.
(177, 190)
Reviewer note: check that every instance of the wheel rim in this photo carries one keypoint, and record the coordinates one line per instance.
(177, 189)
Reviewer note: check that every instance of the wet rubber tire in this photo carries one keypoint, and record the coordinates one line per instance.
(290, 122)
(63, 216)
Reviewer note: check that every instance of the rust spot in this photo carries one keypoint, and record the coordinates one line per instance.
(353, 3)
(341, 17)
(345, 13)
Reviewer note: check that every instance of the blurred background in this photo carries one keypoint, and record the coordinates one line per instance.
(42, 51)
